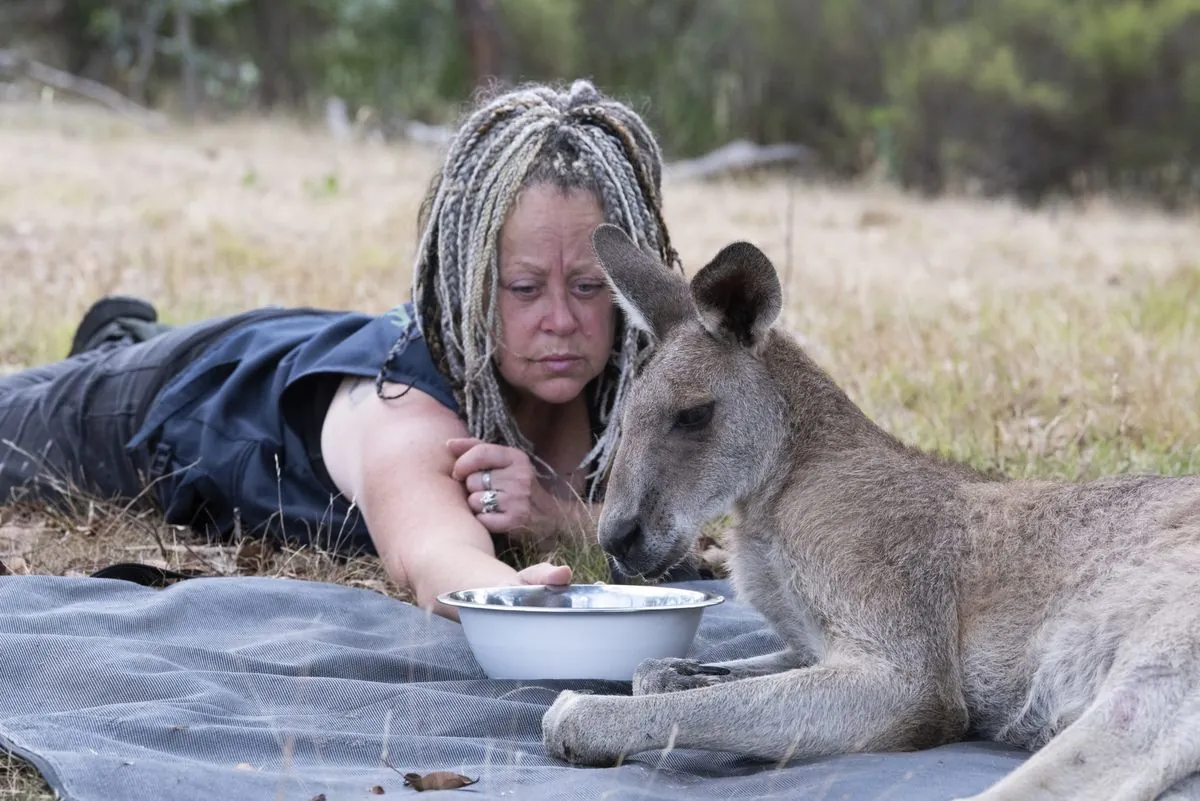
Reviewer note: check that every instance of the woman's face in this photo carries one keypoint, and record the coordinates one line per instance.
(556, 311)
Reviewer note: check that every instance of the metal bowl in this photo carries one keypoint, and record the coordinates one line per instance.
(577, 631)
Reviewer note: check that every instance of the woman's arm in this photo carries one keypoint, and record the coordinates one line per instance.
(390, 457)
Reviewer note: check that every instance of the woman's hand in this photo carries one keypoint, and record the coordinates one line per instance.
(545, 573)
(522, 503)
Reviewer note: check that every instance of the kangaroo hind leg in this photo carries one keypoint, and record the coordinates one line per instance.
(1140, 736)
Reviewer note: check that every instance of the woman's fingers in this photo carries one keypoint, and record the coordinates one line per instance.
(460, 445)
(505, 471)
(508, 479)
(479, 457)
(545, 573)
(475, 501)
(512, 512)
(475, 481)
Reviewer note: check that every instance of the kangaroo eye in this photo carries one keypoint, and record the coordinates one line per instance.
(695, 418)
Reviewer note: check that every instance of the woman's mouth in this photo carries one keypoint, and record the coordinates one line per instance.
(559, 362)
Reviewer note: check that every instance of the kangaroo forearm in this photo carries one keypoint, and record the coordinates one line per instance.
(765, 664)
(802, 713)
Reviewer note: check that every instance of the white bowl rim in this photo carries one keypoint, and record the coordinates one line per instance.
(702, 599)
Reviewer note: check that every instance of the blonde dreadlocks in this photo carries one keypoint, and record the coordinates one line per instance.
(574, 139)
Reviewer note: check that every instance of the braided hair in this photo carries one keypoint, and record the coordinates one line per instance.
(572, 138)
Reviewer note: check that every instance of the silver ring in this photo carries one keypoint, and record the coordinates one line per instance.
(491, 502)
(487, 480)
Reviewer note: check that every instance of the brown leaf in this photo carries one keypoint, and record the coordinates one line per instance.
(377, 790)
(318, 797)
(438, 780)
(252, 556)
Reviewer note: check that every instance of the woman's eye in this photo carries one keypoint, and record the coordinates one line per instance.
(523, 290)
(589, 289)
(695, 418)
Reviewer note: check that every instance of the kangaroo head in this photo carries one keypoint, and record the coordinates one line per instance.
(703, 418)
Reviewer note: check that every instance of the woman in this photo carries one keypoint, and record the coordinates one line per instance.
(494, 411)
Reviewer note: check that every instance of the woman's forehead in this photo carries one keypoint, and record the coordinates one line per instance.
(545, 200)
(542, 228)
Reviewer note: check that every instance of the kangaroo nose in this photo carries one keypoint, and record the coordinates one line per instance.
(626, 536)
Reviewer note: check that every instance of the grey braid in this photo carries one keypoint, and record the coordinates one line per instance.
(575, 138)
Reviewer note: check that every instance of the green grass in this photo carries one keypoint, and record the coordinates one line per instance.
(1058, 385)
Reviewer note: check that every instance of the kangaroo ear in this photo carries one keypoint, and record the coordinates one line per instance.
(738, 295)
(653, 297)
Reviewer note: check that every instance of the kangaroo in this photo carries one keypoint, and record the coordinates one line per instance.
(921, 601)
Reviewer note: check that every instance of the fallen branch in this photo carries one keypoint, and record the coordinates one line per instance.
(17, 65)
(742, 156)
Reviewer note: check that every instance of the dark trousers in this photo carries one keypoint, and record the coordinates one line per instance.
(63, 426)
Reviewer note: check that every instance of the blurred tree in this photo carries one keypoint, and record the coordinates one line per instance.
(484, 38)
(1022, 97)
(278, 27)
(148, 32)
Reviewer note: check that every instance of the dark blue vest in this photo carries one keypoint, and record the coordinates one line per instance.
(226, 432)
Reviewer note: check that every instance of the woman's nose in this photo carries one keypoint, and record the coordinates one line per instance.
(560, 317)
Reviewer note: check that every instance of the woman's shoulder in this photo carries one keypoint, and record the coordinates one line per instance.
(409, 362)
(388, 344)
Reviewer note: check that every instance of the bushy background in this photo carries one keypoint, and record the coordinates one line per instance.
(1006, 97)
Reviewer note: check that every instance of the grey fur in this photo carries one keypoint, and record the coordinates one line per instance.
(922, 602)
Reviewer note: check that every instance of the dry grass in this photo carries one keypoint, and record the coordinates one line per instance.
(20, 782)
(1057, 343)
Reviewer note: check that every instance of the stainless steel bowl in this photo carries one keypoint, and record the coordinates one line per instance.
(580, 631)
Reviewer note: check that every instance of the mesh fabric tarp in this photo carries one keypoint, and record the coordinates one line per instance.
(246, 688)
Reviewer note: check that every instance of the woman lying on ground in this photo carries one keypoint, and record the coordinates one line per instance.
(485, 406)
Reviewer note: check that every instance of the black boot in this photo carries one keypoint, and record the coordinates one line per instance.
(116, 318)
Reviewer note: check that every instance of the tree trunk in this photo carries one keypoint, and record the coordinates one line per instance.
(275, 30)
(78, 44)
(152, 19)
(187, 56)
(484, 38)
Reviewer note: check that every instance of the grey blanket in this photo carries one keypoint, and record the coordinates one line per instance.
(247, 688)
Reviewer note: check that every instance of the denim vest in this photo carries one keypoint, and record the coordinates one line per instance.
(228, 453)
